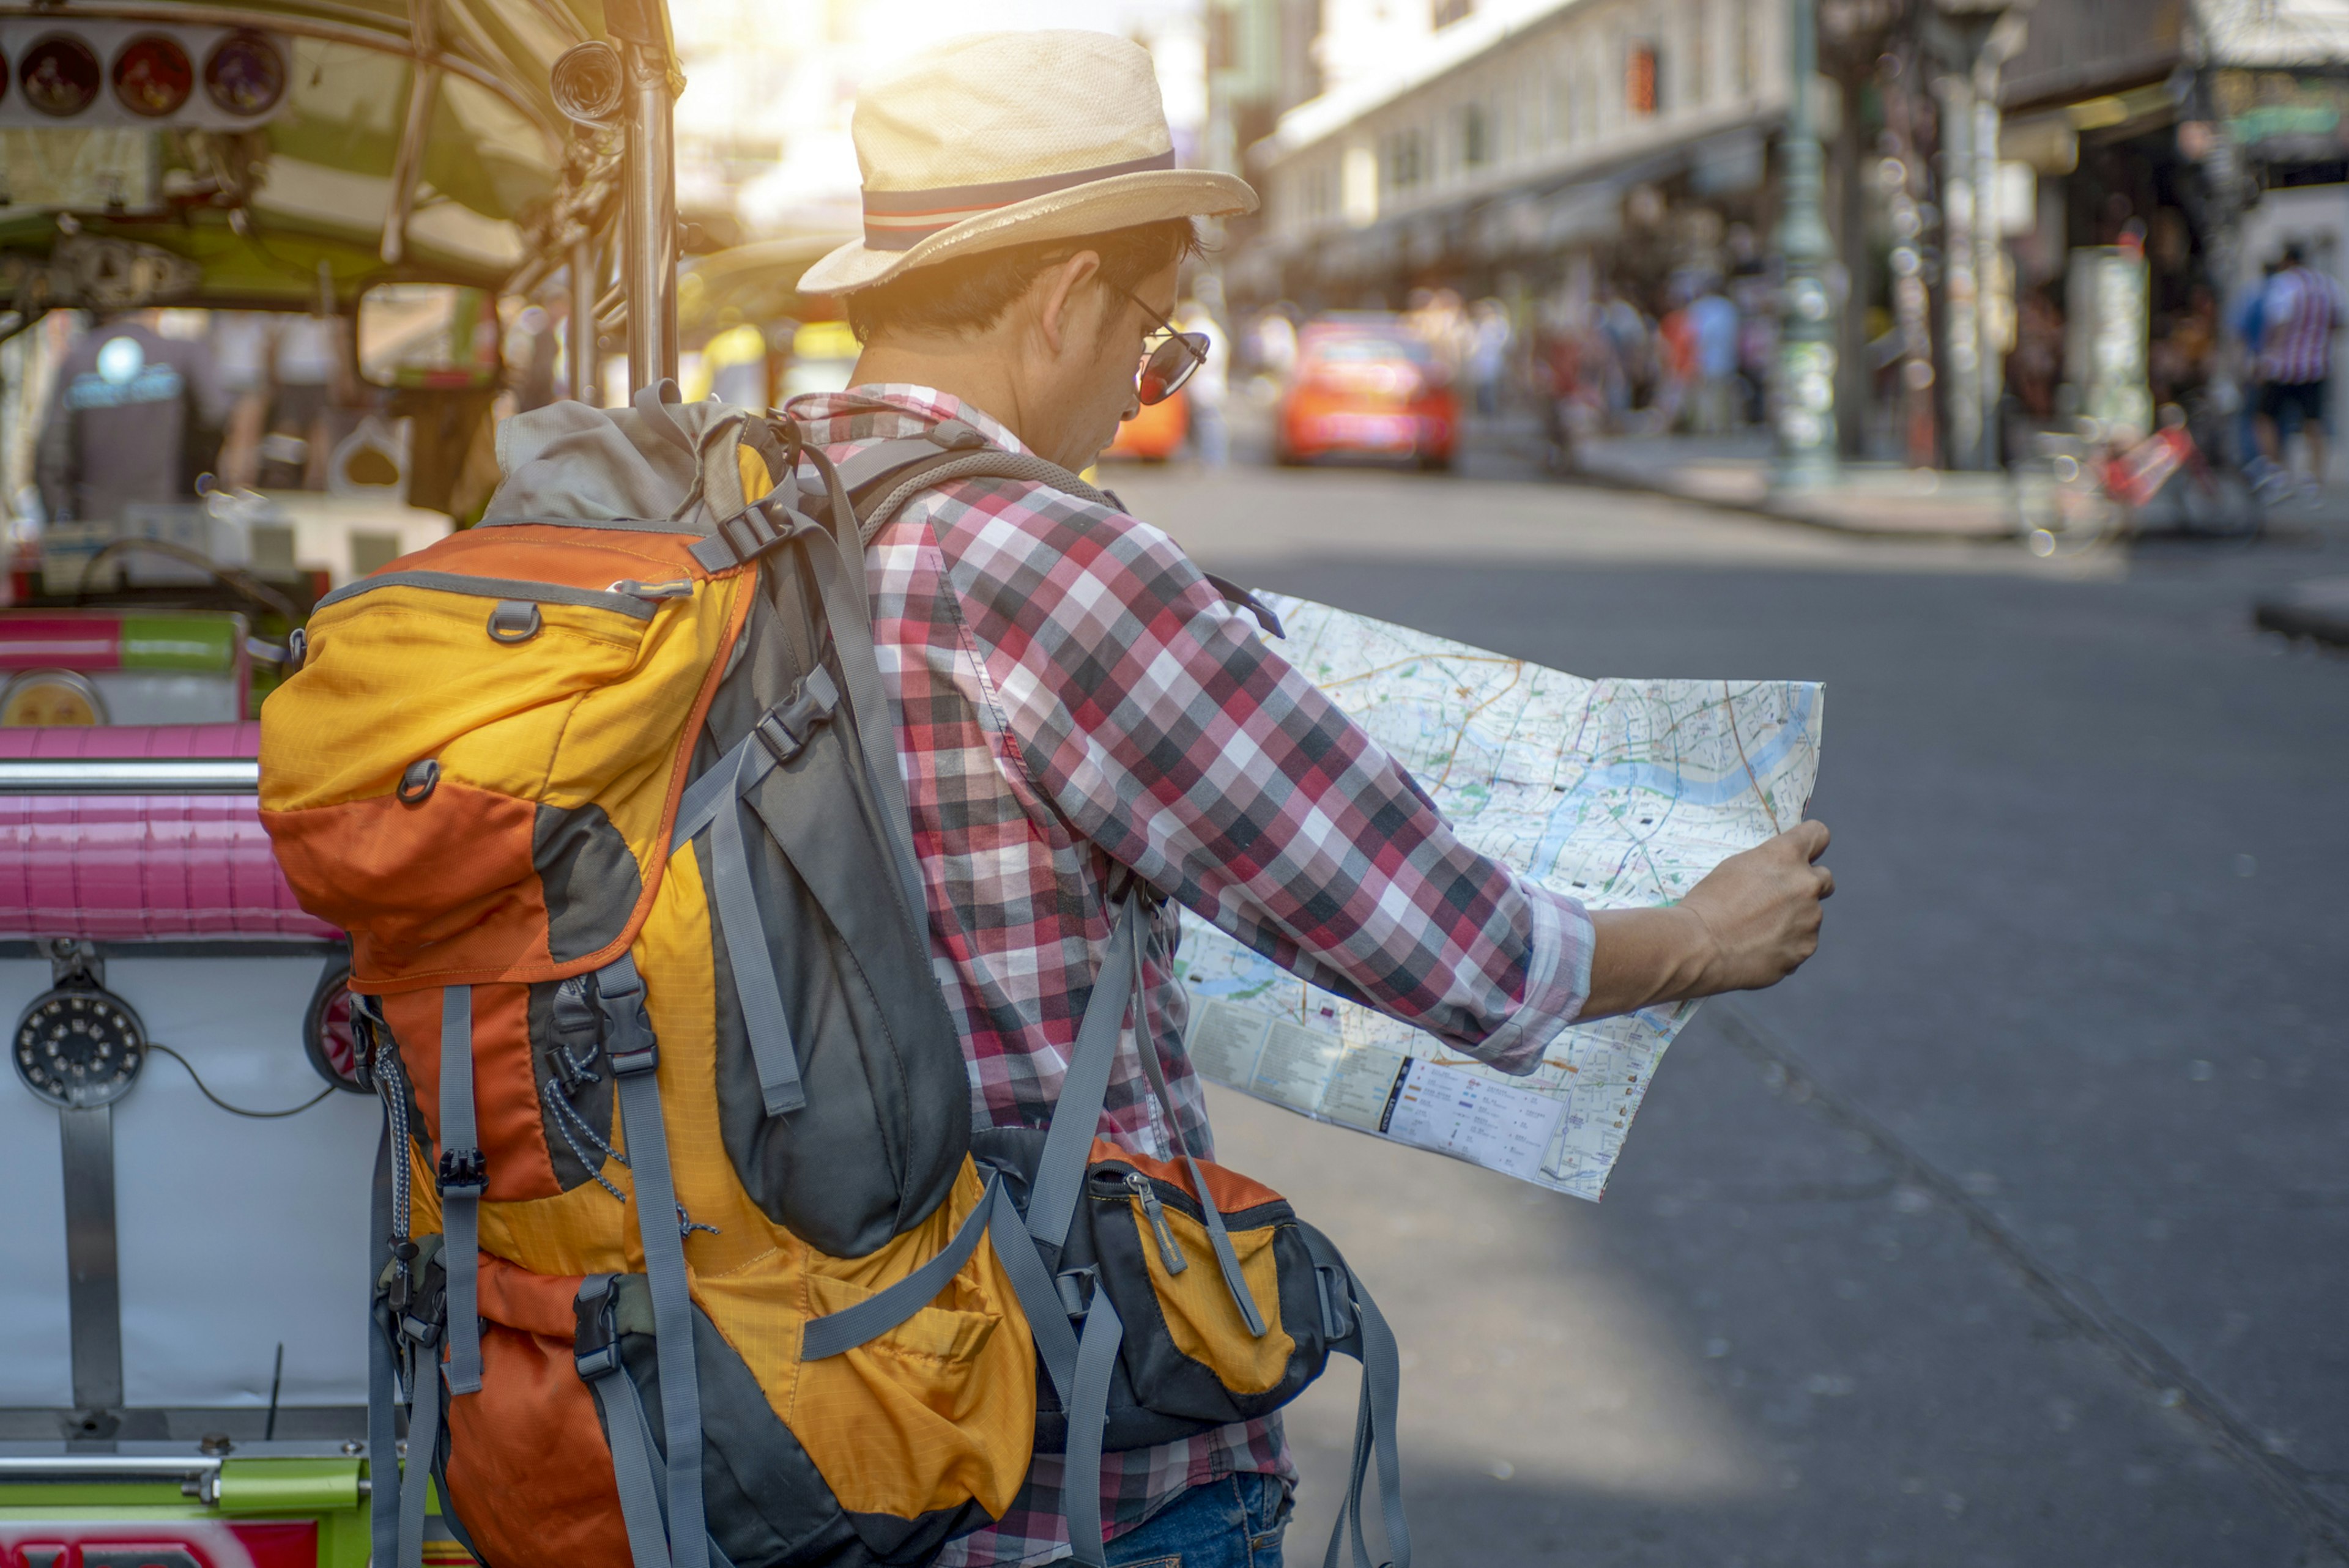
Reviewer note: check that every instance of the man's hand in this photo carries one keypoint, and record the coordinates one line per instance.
(1749, 923)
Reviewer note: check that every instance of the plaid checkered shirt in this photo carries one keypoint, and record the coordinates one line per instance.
(1075, 701)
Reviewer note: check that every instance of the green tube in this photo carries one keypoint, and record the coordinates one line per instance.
(288, 1486)
(204, 643)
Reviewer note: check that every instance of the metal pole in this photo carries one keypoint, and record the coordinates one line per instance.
(1960, 285)
(583, 383)
(1994, 280)
(1807, 451)
(649, 252)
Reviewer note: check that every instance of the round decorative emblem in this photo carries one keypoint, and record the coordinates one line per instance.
(80, 1046)
(153, 75)
(50, 696)
(60, 75)
(245, 74)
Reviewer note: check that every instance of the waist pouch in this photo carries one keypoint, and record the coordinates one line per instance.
(1165, 1298)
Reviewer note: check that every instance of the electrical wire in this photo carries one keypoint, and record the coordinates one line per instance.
(235, 1110)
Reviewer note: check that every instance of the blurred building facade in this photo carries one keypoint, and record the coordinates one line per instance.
(1552, 151)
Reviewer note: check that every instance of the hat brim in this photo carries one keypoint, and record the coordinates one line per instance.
(1121, 202)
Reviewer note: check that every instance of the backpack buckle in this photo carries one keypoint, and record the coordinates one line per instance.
(1076, 1291)
(755, 530)
(784, 728)
(629, 1043)
(464, 1172)
(596, 1346)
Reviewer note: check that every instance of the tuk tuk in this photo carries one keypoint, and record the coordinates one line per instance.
(185, 1145)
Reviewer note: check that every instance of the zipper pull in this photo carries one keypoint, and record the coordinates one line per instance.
(1153, 1210)
(680, 588)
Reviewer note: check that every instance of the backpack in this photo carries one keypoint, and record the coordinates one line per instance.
(688, 1251)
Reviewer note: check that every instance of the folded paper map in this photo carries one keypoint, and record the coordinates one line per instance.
(1621, 793)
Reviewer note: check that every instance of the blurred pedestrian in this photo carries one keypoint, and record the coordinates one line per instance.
(1488, 337)
(303, 364)
(1276, 343)
(1209, 386)
(1713, 325)
(136, 418)
(2300, 311)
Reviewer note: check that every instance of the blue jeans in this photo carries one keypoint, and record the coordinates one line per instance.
(1234, 1523)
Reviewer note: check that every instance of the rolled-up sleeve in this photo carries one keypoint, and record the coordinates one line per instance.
(1155, 719)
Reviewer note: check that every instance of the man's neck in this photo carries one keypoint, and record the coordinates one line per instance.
(967, 370)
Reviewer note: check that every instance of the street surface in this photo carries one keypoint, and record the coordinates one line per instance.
(2013, 1231)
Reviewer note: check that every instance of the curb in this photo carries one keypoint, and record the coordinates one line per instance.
(1605, 479)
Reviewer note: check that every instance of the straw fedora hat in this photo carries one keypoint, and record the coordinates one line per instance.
(1001, 138)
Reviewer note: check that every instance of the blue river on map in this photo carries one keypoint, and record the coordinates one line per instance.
(1667, 781)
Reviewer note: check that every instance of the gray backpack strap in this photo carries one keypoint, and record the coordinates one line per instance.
(635, 1056)
(596, 1354)
(463, 1176)
(1352, 1325)
(1061, 1170)
(383, 1375)
(885, 1310)
(1147, 1046)
(988, 462)
(1088, 1421)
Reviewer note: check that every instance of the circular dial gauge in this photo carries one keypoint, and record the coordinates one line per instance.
(80, 1047)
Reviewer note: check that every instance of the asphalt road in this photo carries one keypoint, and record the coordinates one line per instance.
(2014, 1230)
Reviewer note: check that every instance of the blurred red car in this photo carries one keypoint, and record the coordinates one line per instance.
(1154, 435)
(1367, 386)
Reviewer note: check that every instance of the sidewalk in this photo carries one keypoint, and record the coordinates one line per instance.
(1878, 500)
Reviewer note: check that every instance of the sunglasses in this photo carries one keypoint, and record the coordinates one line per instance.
(1170, 360)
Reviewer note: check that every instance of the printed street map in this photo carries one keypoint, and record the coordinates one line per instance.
(1618, 792)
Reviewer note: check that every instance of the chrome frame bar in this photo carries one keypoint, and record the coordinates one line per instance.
(582, 379)
(648, 265)
(423, 93)
(130, 776)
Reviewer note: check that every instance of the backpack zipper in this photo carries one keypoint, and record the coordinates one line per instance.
(632, 606)
(1168, 1252)
(682, 588)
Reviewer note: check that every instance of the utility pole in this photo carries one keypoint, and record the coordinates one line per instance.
(1976, 38)
(1807, 456)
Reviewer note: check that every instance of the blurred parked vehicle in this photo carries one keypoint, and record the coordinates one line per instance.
(1156, 433)
(1367, 386)
(823, 359)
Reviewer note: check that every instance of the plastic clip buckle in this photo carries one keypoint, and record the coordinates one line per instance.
(755, 530)
(1076, 1290)
(1337, 1300)
(596, 1351)
(784, 728)
(629, 1043)
(464, 1172)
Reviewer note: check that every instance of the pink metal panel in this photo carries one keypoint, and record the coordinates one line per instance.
(131, 868)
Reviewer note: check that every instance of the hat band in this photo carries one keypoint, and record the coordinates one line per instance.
(900, 219)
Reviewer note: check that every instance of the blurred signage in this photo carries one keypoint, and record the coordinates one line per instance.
(2275, 111)
(1640, 79)
(195, 1544)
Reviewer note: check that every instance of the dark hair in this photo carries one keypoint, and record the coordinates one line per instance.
(2292, 254)
(970, 294)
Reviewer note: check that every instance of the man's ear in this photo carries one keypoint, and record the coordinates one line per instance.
(1064, 291)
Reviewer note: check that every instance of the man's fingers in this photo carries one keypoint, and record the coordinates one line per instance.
(1812, 836)
(1827, 882)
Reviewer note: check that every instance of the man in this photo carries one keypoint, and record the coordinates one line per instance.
(136, 418)
(1078, 708)
(2299, 311)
